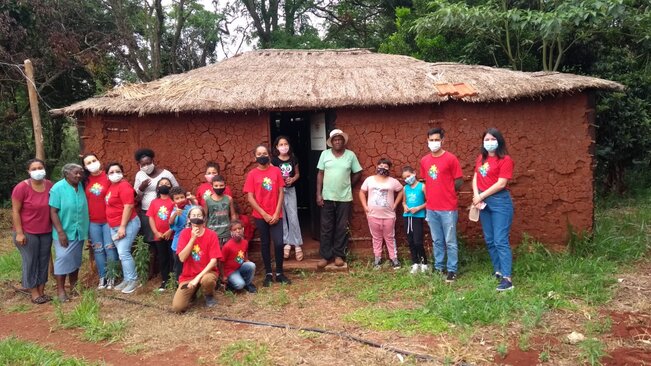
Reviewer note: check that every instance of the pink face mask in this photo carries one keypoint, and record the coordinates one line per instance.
(283, 149)
(209, 177)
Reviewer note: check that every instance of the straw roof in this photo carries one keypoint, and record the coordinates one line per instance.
(317, 79)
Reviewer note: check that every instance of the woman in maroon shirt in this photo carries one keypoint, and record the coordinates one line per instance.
(33, 228)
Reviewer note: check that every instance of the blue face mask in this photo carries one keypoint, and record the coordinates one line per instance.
(410, 179)
(490, 145)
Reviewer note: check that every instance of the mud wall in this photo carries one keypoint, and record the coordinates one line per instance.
(550, 141)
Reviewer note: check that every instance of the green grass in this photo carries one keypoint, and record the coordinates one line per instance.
(86, 315)
(245, 353)
(141, 257)
(592, 350)
(18, 308)
(407, 321)
(21, 353)
(10, 264)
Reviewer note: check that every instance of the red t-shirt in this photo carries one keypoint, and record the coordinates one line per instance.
(35, 210)
(118, 195)
(206, 247)
(205, 190)
(265, 186)
(440, 173)
(491, 170)
(234, 254)
(96, 189)
(161, 209)
(249, 229)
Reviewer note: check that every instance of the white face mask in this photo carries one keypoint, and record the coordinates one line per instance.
(434, 146)
(147, 169)
(37, 174)
(93, 167)
(115, 177)
(490, 145)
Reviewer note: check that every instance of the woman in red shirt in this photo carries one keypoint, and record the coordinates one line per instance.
(124, 224)
(30, 213)
(198, 250)
(96, 185)
(491, 196)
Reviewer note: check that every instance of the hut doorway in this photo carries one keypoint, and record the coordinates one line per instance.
(307, 134)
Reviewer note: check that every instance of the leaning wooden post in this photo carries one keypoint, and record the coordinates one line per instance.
(33, 105)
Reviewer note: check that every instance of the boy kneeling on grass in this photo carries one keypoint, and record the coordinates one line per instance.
(239, 271)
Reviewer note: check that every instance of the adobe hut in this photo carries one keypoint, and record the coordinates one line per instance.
(385, 102)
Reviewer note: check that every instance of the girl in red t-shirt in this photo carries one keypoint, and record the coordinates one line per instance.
(159, 213)
(493, 169)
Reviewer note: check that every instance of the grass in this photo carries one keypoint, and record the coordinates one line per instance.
(245, 353)
(19, 308)
(592, 350)
(20, 353)
(10, 264)
(86, 316)
(407, 321)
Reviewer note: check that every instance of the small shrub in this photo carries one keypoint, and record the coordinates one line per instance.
(245, 353)
(141, 257)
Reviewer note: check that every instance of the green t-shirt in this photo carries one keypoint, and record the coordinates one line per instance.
(73, 210)
(336, 175)
(219, 216)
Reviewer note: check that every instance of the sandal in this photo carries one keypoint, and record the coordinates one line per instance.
(299, 254)
(47, 297)
(286, 251)
(39, 300)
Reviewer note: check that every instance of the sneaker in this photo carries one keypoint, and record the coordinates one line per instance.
(162, 287)
(451, 277)
(121, 285)
(395, 263)
(250, 288)
(102, 283)
(210, 301)
(414, 268)
(424, 268)
(282, 279)
(131, 287)
(498, 276)
(377, 263)
(110, 283)
(268, 279)
(505, 285)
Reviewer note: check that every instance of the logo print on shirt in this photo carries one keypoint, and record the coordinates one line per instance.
(163, 213)
(286, 169)
(380, 197)
(196, 253)
(266, 183)
(240, 257)
(96, 189)
(433, 172)
(483, 170)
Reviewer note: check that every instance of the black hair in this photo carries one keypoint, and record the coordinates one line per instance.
(213, 164)
(258, 146)
(87, 173)
(176, 190)
(140, 153)
(236, 222)
(434, 131)
(274, 149)
(385, 161)
(32, 161)
(158, 185)
(408, 168)
(109, 165)
(218, 178)
(501, 151)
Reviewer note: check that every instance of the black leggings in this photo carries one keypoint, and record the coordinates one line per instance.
(164, 256)
(414, 230)
(267, 234)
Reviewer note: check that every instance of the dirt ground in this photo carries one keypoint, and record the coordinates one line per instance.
(154, 336)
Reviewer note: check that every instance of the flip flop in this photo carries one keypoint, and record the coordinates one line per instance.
(47, 297)
(63, 298)
(286, 251)
(39, 300)
(299, 254)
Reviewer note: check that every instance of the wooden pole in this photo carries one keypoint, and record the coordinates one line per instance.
(33, 105)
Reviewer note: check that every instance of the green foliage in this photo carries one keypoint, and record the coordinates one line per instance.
(86, 316)
(244, 352)
(10, 266)
(142, 257)
(502, 349)
(407, 321)
(113, 269)
(592, 350)
(21, 353)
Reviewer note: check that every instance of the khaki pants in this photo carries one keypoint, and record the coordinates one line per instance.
(182, 297)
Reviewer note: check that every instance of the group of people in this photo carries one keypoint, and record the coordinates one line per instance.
(202, 239)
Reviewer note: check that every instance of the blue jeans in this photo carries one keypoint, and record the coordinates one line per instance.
(496, 219)
(443, 227)
(103, 247)
(124, 248)
(243, 276)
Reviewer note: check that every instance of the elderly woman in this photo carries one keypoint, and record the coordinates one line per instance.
(145, 185)
(69, 214)
(30, 213)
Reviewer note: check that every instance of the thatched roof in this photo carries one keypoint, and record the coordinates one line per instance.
(317, 79)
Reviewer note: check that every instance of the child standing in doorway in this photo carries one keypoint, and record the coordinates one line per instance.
(414, 214)
(284, 158)
(380, 208)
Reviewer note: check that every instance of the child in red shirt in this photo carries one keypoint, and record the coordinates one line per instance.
(205, 189)
(238, 270)
(159, 213)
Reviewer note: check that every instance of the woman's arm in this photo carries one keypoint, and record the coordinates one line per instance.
(126, 215)
(297, 174)
(16, 206)
(254, 204)
(496, 187)
(279, 207)
(362, 199)
(56, 222)
(231, 207)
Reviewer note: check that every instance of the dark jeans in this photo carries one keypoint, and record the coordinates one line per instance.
(334, 229)
(414, 230)
(267, 234)
(164, 256)
(178, 267)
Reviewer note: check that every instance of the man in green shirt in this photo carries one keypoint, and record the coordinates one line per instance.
(338, 171)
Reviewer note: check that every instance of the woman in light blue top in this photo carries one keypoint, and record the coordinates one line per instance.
(70, 221)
